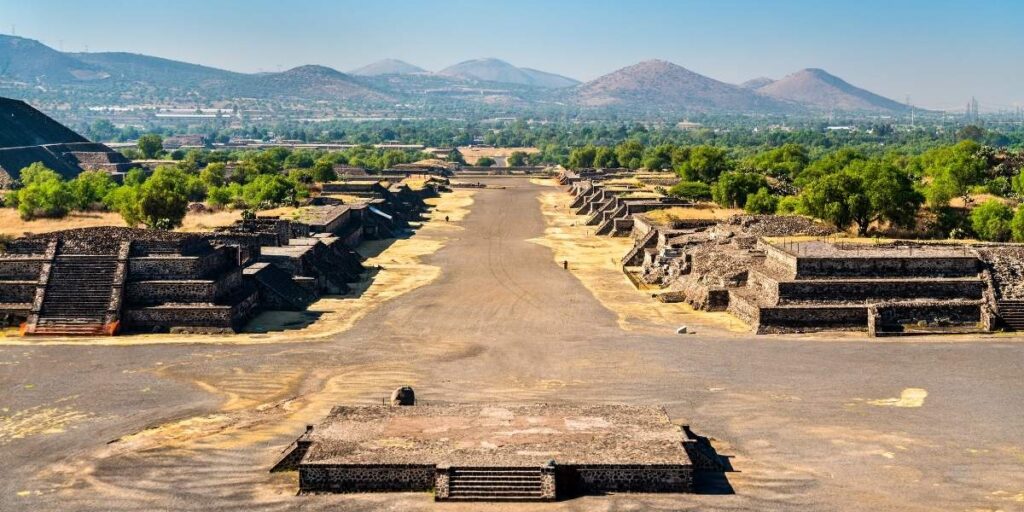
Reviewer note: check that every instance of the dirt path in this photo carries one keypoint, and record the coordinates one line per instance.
(853, 425)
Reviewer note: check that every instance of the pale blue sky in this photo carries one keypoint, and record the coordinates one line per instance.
(940, 52)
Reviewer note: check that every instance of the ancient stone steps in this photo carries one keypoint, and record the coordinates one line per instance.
(495, 484)
(1012, 313)
(77, 296)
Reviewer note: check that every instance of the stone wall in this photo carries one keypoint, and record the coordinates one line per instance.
(794, 292)
(147, 268)
(596, 479)
(949, 266)
(18, 291)
(926, 317)
(21, 268)
(795, 318)
(183, 290)
(315, 478)
(190, 317)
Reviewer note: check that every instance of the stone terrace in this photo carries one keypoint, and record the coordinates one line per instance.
(494, 452)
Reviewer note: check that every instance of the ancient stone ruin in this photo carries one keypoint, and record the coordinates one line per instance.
(28, 136)
(468, 452)
(783, 273)
(100, 281)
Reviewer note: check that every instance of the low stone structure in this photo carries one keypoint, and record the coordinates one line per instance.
(99, 281)
(738, 265)
(494, 452)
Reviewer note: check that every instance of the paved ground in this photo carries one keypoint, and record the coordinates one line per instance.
(811, 424)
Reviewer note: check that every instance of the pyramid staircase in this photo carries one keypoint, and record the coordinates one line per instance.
(495, 484)
(81, 295)
(1012, 313)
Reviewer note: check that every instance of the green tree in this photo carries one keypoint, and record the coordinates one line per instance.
(761, 202)
(125, 201)
(788, 160)
(150, 145)
(517, 159)
(323, 171)
(605, 158)
(581, 158)
(485, 161)
(705, 164)
(1017, 225)
(692, 190)
(630, 154)
(214, 174)
(953, 170)
(864, 192)
(269, 189)
(44, 194)
(991, 221)
(90, 188)
(838, 199)
(163, 198)
(732, 188)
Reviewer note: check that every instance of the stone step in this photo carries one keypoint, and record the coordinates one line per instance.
(492, 492)
(498, 478)
(496, 471)
(497, 488)
(475, 497)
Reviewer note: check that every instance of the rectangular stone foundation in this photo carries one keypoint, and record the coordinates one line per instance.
(493, 453)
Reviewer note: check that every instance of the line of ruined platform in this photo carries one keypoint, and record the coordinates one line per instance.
(783, 273)
(103, 280)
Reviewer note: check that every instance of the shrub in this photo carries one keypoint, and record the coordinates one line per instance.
(991, 221)
(732, 188)
(761, 202)
(789, 205)
(163, 198)
(1017, 225)
(45, 194)
(272, 189)
(693, 190)
(90, 188)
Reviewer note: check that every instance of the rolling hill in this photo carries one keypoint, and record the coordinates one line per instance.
(496, 70)
(29, 61)
(133, 67)
(307, 82)
(661, 84)
(757, 83)
(387, 67)
(817, 89)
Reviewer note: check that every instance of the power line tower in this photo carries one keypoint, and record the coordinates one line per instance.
(910, 107)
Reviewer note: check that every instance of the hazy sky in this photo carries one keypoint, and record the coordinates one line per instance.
(938, 52)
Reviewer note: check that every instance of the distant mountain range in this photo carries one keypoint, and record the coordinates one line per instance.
(387, 67)
(817, 89)
(653, 87)
(495, 70)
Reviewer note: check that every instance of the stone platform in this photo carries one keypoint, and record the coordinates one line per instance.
(494, 452)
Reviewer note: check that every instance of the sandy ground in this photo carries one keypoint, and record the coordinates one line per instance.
(500, 155)
(856, 424)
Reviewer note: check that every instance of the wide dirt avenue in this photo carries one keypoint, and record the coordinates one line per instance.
(809, 422)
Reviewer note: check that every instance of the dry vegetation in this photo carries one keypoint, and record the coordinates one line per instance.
(12, 225)
(701, 211)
